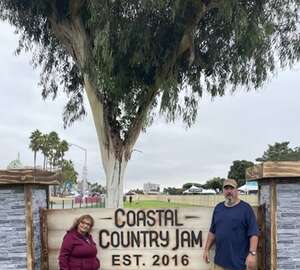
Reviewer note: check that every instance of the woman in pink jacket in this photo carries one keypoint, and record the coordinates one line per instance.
(78, 250)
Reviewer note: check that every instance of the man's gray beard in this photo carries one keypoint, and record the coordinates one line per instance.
(229, 201)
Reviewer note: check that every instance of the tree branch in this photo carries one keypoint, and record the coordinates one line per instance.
(199, 10)
(137, 125)
(75, 7)
(71, 32)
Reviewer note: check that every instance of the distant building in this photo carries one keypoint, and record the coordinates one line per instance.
(150, 188)
(15, 164)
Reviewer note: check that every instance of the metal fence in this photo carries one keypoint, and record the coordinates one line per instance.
(198, 200)
(77, 202)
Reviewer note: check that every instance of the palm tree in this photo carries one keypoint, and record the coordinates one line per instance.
(35, 143)
(62, 148)
(45, 148)
(54, 141)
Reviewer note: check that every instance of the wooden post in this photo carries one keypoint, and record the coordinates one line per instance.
(44, 239)
(29, 227)
(261, 256)
(273, 218)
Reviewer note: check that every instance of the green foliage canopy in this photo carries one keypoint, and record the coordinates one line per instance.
(173, 191)
(140, 52)
(216, 184)
(188, 185)
(280, 152)
(237, 170)
(52, 147)
(68, 172)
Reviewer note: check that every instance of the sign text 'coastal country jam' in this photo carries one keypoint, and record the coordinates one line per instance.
(160, 238)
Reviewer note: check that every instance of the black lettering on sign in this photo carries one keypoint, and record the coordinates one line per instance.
(118, 214)
(150, 217)
(187, 239)
(160, 217)
(160, 211)
(155, 260)
(135, 240)
(131, 218)
(126, 260)
(140, 218)
(196, 240)
(174, 258)
(115, 239)
(176, 219)
(102, 242)
(115, 260)
(137, 259)
(165, 238)
(125, 240)
(185, 260)
(171, 218)
(153, 239)
(166, 260)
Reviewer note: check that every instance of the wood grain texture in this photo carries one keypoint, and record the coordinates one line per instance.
(29, 176)
(261, 256)
(274, 170)
(273, 214)
(192, 219)
(44, 239)
(29, 227)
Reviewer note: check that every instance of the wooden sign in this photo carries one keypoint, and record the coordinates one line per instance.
(139, 239)
(274, 169)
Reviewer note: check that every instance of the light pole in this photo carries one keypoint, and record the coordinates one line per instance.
(84, 169)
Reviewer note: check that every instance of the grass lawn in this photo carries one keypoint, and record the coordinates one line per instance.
(155, 204)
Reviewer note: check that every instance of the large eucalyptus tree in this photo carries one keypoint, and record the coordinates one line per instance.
(130, 56)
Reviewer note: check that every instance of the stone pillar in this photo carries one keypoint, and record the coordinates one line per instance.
(279, 192)
(22, 193)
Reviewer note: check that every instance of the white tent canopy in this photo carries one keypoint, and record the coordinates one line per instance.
(249, 187)
(208, 191)
(193, 189)
(198, 190)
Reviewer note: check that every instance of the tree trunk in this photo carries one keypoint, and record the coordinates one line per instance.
(114, 153)
(114, 172)
(34, 160)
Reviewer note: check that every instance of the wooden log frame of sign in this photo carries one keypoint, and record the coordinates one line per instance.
(273, 218)
(29, 176)
(29, 227)
(273, 169)
(261, 256)
(174, 240)
(44, 239)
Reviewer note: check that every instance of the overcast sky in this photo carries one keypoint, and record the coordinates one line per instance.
(234, 127)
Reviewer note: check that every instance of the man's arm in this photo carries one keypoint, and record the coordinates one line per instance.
(209, 242)
(251, 259)
(253, 243)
